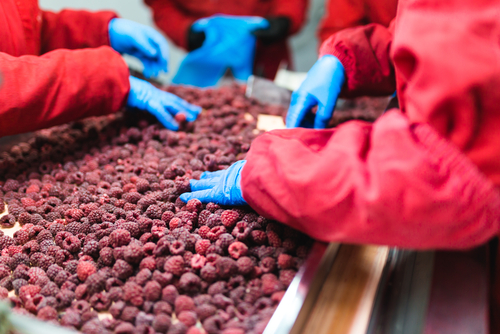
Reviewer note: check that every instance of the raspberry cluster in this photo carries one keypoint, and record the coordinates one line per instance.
(103, 228)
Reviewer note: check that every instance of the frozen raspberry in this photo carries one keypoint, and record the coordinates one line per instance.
(152, 291)
(273, 239)
(201, 246)
(35, 273)
(189, 283)
(270, 284)
(215, 232)
(162, 307)
(133, 253)
(212, 207)
(21, 237)
(72, 244)
(286, 276)
(91, 248)
(7, 221)
(73, 215)
(65, 298)
(213, 324)
(142, 185)
(188, 318)
(237, 249)
(4, 271)
(203, 217)
(277, 296)
(28, 291)
(47, 313)
(133, 293)
(230, 218)
(5, 242)
(100, 301)
(24, 218)
(169, 294)
(177, 247)
(221, 302)
(226, 267)
(129, 313)
(161, 323)
(245, 265)
(285, 261)
(268, 265)
(184, 303)
(203, 232)
(148, 263)
(50, 289)
(131, 197)
(119, 237)
(43, 235)
(175, 265)
(219, 287)
(133, 228)
(122, 270)
(241, 231)
(198, 261)
(61, 277)
(174, 223)
(95, 283)
(259, 237)
(224, 240)
(214, 220)
(208, 273)
(194, 205)
(84, 270)
(71, 319)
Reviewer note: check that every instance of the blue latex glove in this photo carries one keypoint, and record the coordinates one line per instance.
(229, 43)
(221, 187)
(161, 104)
(321, 88)
(142, 42)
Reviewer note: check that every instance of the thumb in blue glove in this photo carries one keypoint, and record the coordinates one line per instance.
(321, 88)
(142, 42)
(221, 187)
(162, 105)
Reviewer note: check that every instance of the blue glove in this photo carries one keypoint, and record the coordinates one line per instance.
(228, 43)
(161, 104)
(321, 88)
(221, 187)
(140, 41)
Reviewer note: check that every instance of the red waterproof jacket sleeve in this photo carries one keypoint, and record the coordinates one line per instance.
(365, 54)
(60, 86)
(71, 29)
(384, 183)
(295, 10)
(173, 21)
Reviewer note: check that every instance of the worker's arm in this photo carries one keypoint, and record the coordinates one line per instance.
(390, 182)
(294, 10)
(172, 20)
(70, 29)
(365, 55)
(60, 86)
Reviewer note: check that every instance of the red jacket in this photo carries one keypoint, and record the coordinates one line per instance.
(425, 176)
(44, 83)
(175, 17)
(342, 14)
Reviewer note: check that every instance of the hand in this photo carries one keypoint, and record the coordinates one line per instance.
(195, 39)
(221, 187)
(140, 41)
(161, 104)
(321, 88)
(277, 31)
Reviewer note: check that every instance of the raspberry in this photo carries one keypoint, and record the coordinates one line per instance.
(174, 223)
(161, 323)
(65, 298)
(100, 301)
(259, 237)
(132, 197)
(222, 302)
(28, 291)
(47, 313)
(61, 278)
(76, 228)
(177, 248)
(184, 303)
(229, 218)
(119, 237)
(95, 283)
(208, 273)
(129, 313)
(189, 283)
(212, 207)
(91, 248)
(213, 324)
(133, 253)
(4, 271)
(273, 239)
(270, 284)
(73, 215)
(285, 261)
(214, 220)
(72, 244)
(175, 265)
(71, 319)
(133, 293)
(237, 249)
(43, 235)
(268, 265)
(84, 270)
(226, 267)
(50, 289)
(93, 326)
(148, 263)
(133, 228)
(122, 269)
(169, 294)
(24, 218)
(198, 261)
(201, 246)
(142, 185)
(188, 318)
(286, 276)
(194, 205)
(215, 232)
(245, 265)
(7, 221)
(152, 291)
(241, 231)
(117, 308)
(35, 273)
(124, 328)
(203, 232)
(225, 239)
(203, 217)
(5, 241)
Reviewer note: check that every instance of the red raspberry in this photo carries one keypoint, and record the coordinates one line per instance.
(203, 217)
(194, 205)
(119, 237)
(122, 269)
(142, 185)
(233, 331)
(129, 313)
(162, 307)
(267, 265)
(133, 253)
(212, 207)
(188, 318)
(167, 216)
(214, 220)
(203, 232)
(201, 246)
(226, 267)
(73, 215)
(175, 265)
(169, 294)
(34, 274)
(230, 218)
(273, 239)
(71, 319)
(177, 248)
(286, 276)
(241, 231)
(148, 263)
(84, 270)
(259, 237)
(5, 242)
(285, 261)
(270, 284)
(277, 296)
(154, 212)
(133, 293)
(72, 244)
(28, 291)
(215, 232)
(7, 221)
(50, 289)
(198, 261)
(161, 323)
(205, 310)
(143, 277)
(184, 303)
(189, 283)
(47, 313)
(237, 249)
(245, 265)
(24, 218)
(152, 291)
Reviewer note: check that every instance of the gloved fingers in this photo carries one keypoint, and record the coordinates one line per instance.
(323, 116)
(308, 121)
(162, 115)
(204, 196)
(175, 104)
(160, 44)
(212, 175)
(300, 105)
(203, 184)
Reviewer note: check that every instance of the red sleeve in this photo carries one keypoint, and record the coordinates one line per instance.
(60, 86)
(295, 10)
(71, 29)
(364, 52)
(390, 182)
(173, 21)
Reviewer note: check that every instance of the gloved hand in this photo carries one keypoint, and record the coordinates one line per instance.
(161, 104)
(221, 187)
(195, 39)
(277, 31)
(140, 41)
(321, 87)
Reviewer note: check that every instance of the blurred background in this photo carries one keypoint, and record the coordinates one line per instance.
(304, 44)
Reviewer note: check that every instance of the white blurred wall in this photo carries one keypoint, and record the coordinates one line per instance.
(304, 44)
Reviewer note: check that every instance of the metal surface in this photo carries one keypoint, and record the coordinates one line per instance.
(294, 308)
(402, 299)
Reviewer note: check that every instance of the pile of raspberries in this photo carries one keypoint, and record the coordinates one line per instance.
(104, 232)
